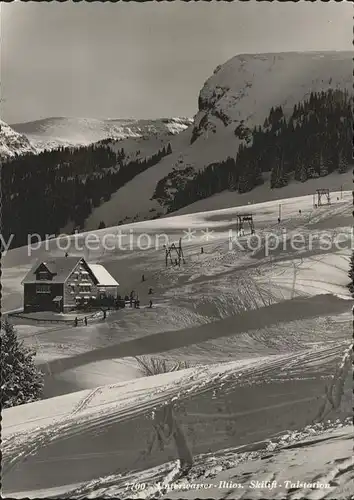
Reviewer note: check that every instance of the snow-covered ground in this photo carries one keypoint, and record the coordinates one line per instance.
(264, 334)
(263, 193)
(94, 440)
(316, 462)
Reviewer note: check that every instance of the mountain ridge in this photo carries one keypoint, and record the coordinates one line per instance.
(236, 98)
(53, 132)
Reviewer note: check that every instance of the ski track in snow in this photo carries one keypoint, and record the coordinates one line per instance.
(117, 403)
(86, 401)
(17, 447)
(264, 461)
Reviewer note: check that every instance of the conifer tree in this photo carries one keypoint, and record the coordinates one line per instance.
(301, 171)
(323, 167)
(21, 381)
(342, 164)
(351, 273)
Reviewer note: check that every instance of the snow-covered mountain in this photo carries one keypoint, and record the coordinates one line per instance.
(243, 90)
(12, 142)
(50, 133)
(239, 94)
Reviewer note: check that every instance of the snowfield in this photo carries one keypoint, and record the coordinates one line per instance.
(266, 334)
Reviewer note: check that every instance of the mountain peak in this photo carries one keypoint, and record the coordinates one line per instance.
(12, 142)
(243, 89)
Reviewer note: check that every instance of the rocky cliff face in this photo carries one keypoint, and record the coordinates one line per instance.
(12, 143)
(242, 91)
(239, 96)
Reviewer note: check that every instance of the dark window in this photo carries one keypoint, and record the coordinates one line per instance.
(43, 289)
(43, 275)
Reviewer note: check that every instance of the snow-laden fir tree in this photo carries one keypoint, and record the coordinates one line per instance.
(21, 381)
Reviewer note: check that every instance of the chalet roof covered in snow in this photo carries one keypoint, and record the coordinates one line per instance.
(60, 267)
(102, 275)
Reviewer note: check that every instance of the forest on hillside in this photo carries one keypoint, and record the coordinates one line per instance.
(45, 192)
(315, 140)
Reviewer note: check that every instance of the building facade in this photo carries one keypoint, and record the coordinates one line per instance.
(62, 284)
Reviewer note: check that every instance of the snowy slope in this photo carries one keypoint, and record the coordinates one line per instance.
(284, 320)
(242, 90)
(50, 133)
(307, 464)
(205, 290)
(263, 193)
(143, 184)
(267, 340)
(12, 142)
(40, 440)
(132, 201)
(314, 454)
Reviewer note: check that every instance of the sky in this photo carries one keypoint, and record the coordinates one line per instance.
(150, 60)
